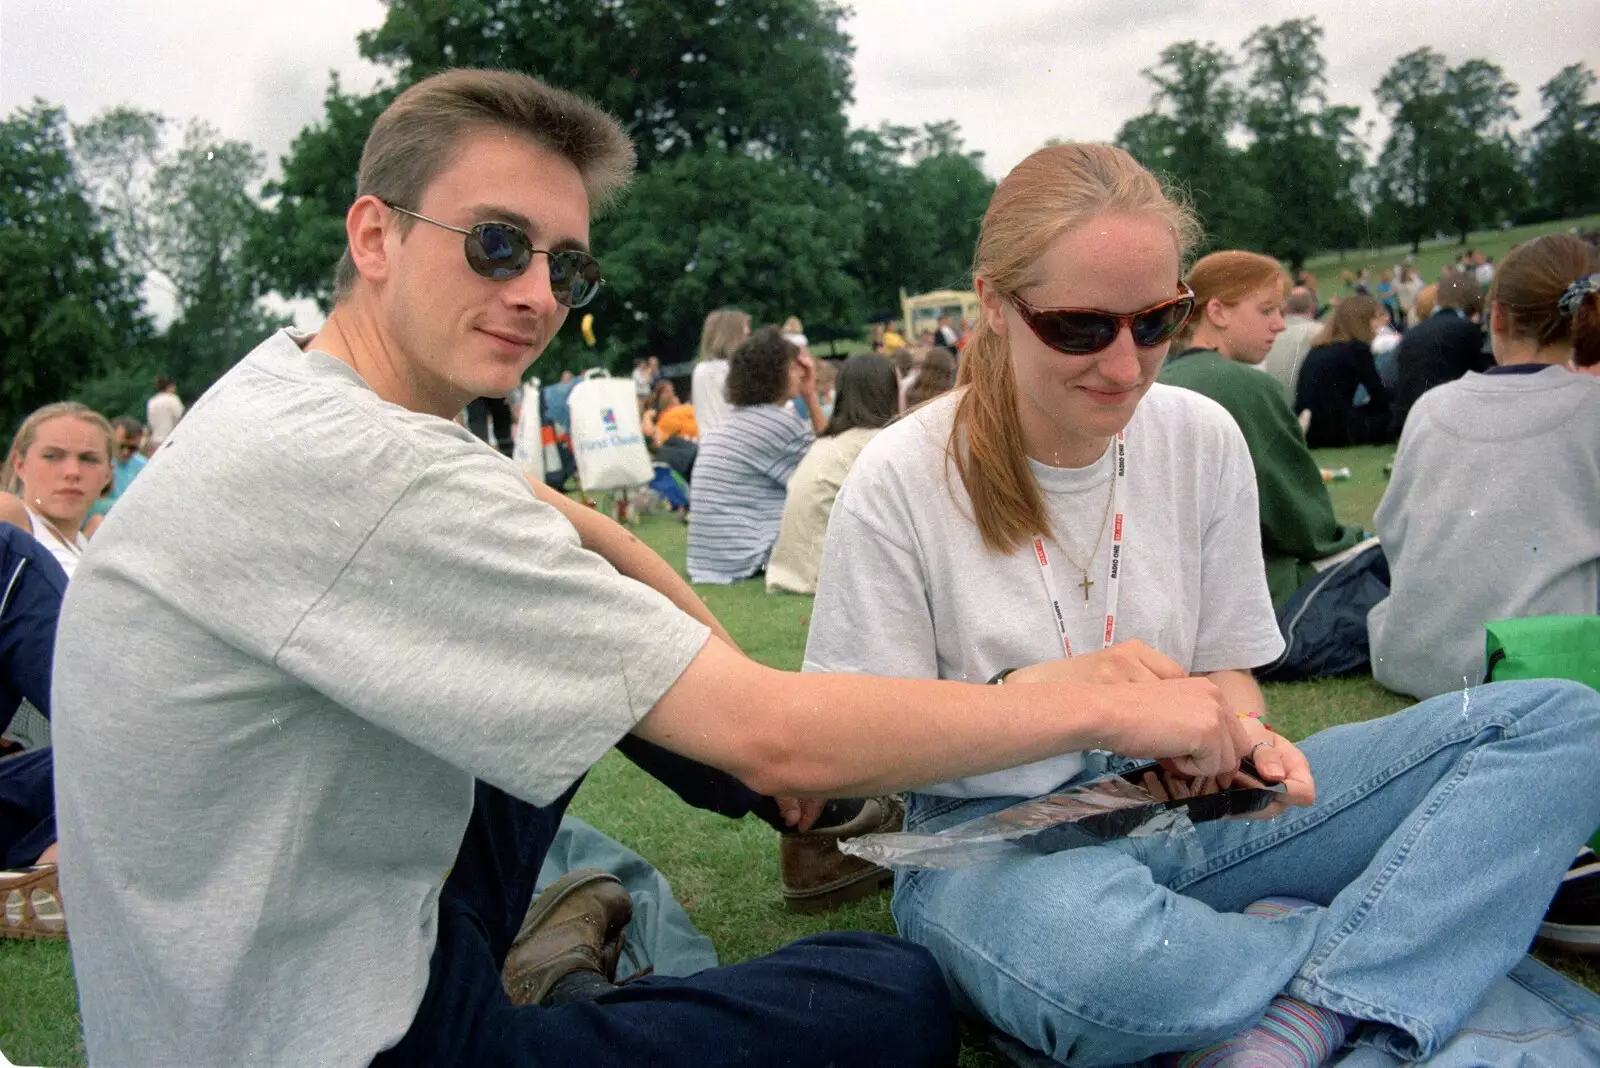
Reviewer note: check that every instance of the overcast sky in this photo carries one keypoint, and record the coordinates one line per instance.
(1012, 72)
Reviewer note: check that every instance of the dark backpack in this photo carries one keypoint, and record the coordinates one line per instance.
(1324, 625)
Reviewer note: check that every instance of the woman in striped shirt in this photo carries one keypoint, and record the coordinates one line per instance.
(741, 475)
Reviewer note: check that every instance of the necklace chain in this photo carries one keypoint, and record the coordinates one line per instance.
(1100, 537)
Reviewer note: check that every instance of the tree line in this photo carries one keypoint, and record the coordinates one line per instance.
(1271, 164)
(753, 190)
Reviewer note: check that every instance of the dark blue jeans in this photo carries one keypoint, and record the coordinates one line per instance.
(27, 807)
(844, 998)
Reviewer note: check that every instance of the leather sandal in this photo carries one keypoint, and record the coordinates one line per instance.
(30, 904)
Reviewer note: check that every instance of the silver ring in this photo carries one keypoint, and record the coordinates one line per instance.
(1251, 754)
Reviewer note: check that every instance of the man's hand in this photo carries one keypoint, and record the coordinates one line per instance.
(1129, 661)
(1182, 721)
(800, 813)
(1185, 723)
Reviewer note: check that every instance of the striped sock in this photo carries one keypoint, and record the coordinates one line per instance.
(1290, 1034)
(1273, 907)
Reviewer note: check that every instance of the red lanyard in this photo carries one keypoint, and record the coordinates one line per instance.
(1119, 531)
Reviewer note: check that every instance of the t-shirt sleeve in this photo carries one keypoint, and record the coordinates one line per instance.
(1238, 629)
(473, 624)
(871, 613)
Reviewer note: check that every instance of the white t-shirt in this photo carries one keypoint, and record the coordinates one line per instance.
(67, 553)
(815, 483)
(162, 413)
(708, 391)
(263, 785)
(907, 588)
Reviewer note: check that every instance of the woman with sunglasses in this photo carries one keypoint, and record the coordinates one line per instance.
(1238, 298)
(1062, 515)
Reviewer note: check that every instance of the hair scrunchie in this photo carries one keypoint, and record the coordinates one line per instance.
(1568, 304)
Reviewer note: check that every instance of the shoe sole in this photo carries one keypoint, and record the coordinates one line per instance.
(1584, 940)
(30, 905)
(827, 900)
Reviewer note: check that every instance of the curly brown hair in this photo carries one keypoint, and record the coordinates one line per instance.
(758, 371)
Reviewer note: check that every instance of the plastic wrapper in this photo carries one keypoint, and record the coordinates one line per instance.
(1094, 813)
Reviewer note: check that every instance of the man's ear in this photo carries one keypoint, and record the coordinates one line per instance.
(365, 229)
(992, 305)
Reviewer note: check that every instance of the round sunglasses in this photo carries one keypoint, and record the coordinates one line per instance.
(1086, 331)
(500, 251)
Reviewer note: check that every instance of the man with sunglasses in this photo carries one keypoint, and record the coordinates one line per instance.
(387, 661)
(128, 436)
(128, 439)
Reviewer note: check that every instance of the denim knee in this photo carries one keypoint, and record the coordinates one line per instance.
(1562, 700)
(909, 998)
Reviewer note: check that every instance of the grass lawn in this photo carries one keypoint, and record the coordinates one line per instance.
(725, 873)
(1433, 255)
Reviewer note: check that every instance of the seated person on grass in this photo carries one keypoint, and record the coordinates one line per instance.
(742, 468)
(668, 417)
(869, 399)
(304, 802)
(1493, 511)
(1237, 313)
(1337, 368)
(1060, 501)
(32, 584)
(1441, 347)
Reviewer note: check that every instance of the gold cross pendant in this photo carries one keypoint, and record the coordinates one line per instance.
(1086, 583)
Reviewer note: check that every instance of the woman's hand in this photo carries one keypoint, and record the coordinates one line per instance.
(807, 385)
(1278, 760)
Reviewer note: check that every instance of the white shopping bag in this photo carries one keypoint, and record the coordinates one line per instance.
(606, 439)
(526, 447)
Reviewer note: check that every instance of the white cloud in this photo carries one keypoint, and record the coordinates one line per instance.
(1012, 72)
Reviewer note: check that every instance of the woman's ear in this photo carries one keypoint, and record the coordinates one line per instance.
(1499, 321)
(992, 305)
(1216, 313)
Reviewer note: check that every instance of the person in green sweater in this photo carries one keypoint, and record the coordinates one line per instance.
(1238, 311)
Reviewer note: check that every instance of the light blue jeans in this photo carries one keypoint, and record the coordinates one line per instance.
(1438, 837)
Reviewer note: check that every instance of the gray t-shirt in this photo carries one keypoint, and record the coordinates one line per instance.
(908, 589)
(1493, 513)
(304, 631)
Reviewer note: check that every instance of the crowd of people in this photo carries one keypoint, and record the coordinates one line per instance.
(302, 805)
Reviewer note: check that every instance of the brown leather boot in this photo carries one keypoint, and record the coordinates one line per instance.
(817, 877)
(576, 924)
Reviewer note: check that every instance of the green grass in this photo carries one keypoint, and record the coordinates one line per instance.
(725, 872)
(1495, 243)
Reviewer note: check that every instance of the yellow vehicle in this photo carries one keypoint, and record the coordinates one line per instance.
(922, 312)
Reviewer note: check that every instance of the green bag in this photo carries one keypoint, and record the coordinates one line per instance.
(1546, 647)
